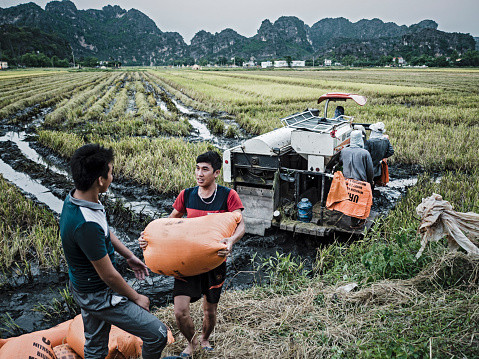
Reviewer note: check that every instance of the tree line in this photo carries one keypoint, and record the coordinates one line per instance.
(39, 59)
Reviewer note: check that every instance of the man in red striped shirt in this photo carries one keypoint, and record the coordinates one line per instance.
(207, 197)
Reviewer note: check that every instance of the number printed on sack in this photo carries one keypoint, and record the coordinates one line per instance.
(353, 197)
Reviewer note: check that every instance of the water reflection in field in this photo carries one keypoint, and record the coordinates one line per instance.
(32, 187)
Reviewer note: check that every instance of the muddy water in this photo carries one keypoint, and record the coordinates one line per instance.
(45, 178)
(29, 185)
(198, 120)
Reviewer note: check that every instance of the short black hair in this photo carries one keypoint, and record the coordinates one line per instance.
(211, 157)
(88, 163)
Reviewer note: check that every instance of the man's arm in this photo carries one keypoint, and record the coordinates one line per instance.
(235, 237)
(389, 151)
(240, 229)
(369, 168)
(335, 159)
(176, 214)
(139, 268)
(115, 281)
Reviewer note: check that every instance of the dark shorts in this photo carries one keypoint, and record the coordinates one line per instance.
(209, 284)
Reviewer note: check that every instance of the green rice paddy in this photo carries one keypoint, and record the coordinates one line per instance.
(405, 307)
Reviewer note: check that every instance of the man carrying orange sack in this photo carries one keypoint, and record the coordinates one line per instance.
(98, 288)
(207, 197)
(357, 165)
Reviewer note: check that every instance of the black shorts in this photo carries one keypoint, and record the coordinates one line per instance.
(209, 284)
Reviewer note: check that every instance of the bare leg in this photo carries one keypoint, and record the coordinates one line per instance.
(209, 322)
(185, 323)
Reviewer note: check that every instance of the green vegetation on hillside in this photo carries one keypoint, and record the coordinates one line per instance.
(118, 36)
(32, 47)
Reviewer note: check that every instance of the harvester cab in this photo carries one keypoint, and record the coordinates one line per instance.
(274, 171)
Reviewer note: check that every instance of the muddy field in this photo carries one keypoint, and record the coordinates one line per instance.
(44, 177)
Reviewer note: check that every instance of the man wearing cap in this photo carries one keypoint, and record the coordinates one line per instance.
(379, 147)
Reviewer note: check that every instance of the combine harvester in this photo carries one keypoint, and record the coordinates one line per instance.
(274, 171)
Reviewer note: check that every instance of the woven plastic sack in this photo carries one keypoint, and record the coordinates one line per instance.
(120, 344)
(29, 346)
(65, 351)
(183, 247)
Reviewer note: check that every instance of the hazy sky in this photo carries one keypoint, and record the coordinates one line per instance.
(187, 17)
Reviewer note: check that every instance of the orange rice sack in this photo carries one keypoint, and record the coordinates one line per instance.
(55, 335)
(29, 346)
(338, 191)
(384, 178)
(359, 202)
(64, 351)
(183, 247)
(120, 344)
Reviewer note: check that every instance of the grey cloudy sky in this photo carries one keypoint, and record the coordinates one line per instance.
(187, 17)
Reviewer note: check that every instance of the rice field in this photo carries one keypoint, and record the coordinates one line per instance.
(431, 116)
(404, 308)
(26, 231)
(424, 112)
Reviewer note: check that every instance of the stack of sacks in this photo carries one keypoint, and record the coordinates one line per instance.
(66, 341)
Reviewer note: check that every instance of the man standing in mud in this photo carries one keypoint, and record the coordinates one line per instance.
(357, 164)
(89, 245)
(380, 148)
(207, 197)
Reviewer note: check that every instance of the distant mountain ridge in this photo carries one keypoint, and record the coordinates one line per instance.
(134, 39)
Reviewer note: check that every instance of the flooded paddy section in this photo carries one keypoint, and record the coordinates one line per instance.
(129, 207)
(44, 177)
(400, 179)
(199, 120)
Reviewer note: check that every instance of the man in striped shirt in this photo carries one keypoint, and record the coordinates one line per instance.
(89, 245)
(205, 198)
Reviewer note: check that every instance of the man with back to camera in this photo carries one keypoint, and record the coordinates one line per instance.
(379, 147)
(357, 164)
(89, 245)
(207, 197)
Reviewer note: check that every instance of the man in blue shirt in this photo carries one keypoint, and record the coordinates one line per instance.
(103, 295)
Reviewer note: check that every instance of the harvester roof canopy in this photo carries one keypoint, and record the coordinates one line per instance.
(340, 96)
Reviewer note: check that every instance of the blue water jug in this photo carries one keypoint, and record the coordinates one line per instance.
(305, 210)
